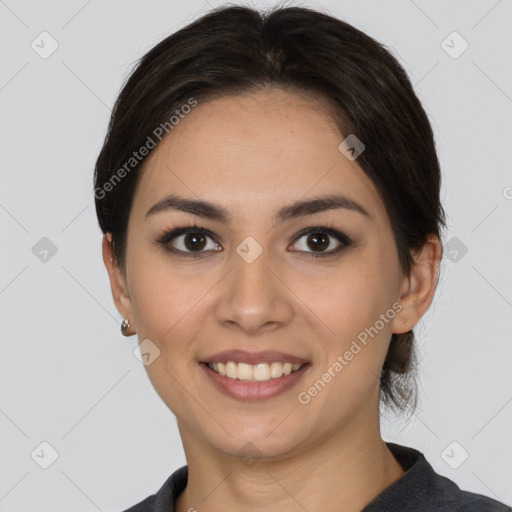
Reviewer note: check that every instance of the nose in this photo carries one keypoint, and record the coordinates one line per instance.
(252, 298)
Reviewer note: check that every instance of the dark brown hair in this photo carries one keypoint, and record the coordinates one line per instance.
(236, 50)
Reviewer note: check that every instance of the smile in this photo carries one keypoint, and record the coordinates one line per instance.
(260, 372)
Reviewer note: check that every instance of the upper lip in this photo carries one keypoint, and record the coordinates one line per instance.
(243, 356)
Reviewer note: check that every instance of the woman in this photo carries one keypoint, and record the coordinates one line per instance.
(269, 194)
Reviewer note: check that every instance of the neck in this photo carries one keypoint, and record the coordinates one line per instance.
(345, 472)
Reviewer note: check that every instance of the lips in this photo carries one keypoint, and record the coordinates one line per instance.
(254, 375)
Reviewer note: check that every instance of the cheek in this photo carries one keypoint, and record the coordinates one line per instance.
(162, 296)
(351, 297)
(166, 305)
(355, 303)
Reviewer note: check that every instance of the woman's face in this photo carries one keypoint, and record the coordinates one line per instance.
(250, 281)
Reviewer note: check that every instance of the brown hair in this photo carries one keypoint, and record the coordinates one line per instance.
(235, 50)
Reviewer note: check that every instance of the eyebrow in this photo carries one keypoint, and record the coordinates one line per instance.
(300, 208)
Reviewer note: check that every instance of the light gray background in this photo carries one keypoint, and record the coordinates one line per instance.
(69, 378)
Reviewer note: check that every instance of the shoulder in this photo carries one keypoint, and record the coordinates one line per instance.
(421, 488)
(147, 505)
(472, 502)
(165, 498)
(455, 499)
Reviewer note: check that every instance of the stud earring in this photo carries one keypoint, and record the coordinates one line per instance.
(125, 325)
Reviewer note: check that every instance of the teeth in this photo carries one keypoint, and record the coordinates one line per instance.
(260, 372)
(244, 371)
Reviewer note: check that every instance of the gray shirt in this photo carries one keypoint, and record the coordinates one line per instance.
(419, 489)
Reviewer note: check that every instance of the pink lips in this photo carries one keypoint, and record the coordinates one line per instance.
(246, 390)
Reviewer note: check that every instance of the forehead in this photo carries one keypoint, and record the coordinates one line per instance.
(262, 149)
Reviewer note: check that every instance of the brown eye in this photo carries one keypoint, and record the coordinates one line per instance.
(318, 241)
(321, 241)
(194, 241)
(188, 241)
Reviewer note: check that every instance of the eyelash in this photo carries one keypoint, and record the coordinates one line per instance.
(328, 229)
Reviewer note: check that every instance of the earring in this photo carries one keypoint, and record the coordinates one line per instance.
(125, 325)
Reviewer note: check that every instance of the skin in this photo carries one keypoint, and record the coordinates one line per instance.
(252, 154)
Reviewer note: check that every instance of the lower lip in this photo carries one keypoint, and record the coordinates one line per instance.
(249, 390)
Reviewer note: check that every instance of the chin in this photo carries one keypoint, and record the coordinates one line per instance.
(253, 440)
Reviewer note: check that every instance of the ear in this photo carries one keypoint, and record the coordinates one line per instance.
(117, 282)
(417, 290)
